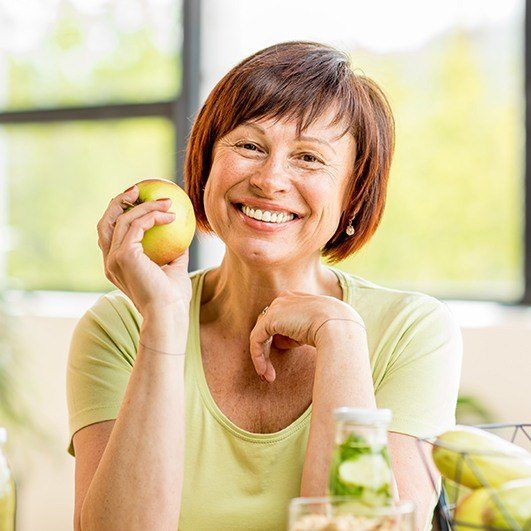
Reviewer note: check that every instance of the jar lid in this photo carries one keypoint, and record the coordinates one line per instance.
(363, 416)
(3, 435)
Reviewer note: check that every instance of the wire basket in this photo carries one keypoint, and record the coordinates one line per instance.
(452, 492)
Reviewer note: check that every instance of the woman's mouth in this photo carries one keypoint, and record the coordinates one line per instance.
(272, 225)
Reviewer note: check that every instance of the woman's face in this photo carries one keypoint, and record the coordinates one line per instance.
(263, 165)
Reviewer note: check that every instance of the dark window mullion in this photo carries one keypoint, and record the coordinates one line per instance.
(189, 98)
(527, 192)
(93, 112)
(180, 111)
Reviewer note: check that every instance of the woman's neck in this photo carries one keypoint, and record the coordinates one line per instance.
(235, 293)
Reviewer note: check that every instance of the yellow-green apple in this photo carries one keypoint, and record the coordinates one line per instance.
(469, 511)
(164, 243)
(475, 458)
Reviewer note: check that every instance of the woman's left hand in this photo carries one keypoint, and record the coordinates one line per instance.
(291, 320)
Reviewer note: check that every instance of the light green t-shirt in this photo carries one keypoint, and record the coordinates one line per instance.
(238, 480)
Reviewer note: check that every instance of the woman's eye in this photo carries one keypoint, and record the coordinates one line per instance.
(306, 157)
(247, 145)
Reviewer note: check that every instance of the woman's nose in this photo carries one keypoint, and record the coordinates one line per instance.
(272, 176)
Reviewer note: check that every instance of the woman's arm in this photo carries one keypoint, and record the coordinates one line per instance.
(138, 482)
(412, 478)
(342, 378)
(421, 387)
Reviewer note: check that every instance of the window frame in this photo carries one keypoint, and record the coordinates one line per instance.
(179, 111)
(526, 299)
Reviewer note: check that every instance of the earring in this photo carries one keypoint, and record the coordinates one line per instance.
(350, 230)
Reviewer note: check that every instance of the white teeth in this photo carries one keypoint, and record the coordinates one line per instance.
(268, 217)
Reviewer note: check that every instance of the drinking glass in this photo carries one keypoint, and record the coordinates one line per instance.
(347, 514)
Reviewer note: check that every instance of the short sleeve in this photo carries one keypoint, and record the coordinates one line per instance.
(100, 360)
(421, 382)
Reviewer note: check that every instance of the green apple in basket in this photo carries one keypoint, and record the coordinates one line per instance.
(477, 458)
(510, 506)
(164, 243)
(470, 510)
(507, 507)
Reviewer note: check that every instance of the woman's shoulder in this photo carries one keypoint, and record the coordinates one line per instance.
(405, 325)
(359, 287)
(384, 305)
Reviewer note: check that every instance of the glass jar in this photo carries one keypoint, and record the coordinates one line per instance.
(340, 513)
(361, 467)
(7, 489)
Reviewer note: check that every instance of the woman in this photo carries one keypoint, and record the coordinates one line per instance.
(204, 400)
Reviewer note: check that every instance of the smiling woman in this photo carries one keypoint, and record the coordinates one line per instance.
(304, 179)
(288, 161)
(300, 82)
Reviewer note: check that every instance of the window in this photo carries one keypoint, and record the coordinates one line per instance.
(82, 52)
(454, 220)
(91, 101)
(61, 179)
(94, 97)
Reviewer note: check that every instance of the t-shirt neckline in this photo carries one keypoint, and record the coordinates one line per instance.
(204, 390)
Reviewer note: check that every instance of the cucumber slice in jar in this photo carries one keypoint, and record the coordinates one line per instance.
(369, 471)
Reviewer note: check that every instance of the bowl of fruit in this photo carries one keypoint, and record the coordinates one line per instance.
(485, 475)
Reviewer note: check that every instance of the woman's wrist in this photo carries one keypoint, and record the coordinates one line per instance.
(177, 309)
(165, 331)
(334, 329)
(343, 361)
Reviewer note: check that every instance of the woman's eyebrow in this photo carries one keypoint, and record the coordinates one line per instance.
(304, 138)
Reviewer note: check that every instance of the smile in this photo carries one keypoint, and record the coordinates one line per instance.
(266, 215)
(280, 222)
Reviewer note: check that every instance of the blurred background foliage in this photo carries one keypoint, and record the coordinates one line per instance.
(454, 220)
(453, 225)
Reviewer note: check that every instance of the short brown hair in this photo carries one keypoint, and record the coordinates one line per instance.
(301, 80)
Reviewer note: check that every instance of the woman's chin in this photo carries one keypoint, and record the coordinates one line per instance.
(259, 254)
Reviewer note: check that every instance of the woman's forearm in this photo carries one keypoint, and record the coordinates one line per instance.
(342, 378)
(138, 482)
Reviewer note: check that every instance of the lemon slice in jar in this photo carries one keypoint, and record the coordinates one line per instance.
(368, 470)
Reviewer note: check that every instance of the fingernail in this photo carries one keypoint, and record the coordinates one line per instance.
(164, 199)
(129, 189)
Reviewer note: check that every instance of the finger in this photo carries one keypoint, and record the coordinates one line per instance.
(137, 228)
(180, 263)
(260, 346)
(178, 267)
(270, 374)
(284, 342)
(106, 225)
(125, 221)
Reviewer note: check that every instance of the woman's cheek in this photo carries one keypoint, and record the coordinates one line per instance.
(213, 202)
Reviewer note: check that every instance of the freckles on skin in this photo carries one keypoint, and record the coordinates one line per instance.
(330, 192)
(321, 186)
(221, 155)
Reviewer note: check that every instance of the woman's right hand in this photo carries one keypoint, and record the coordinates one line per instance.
(149, 286)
